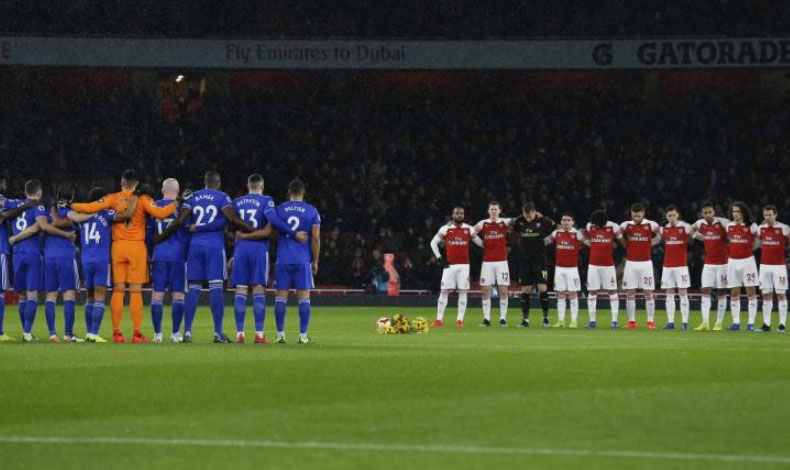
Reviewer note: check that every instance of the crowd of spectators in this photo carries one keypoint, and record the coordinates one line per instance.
(385, 168)
(457, 19)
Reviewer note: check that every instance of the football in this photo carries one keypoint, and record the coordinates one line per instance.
(383, 325)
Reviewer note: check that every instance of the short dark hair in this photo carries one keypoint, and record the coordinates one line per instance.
(708, 203)
(96, 193)
(458, 206)
(771, 207)
(494, 203)
(671, 208)
(32, 187)
(212, 179)
(130, 175)
(637, 207)
(599, 218)
(568, 214)
(528, 206)
(255, 179)
(296, 187)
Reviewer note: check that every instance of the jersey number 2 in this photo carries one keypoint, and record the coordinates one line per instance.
(293, 221)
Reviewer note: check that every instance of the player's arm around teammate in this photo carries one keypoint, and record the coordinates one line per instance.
(11, 214)
(25, 234)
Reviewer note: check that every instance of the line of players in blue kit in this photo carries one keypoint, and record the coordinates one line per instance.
(187, 248)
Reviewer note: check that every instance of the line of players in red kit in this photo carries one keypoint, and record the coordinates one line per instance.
(729, 264)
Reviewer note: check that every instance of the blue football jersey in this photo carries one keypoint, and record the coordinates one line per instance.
(252, 209)
(96, 237)
(206, 206)
(5, 228)
(175, 247)
(300, 216)
(26, 219)
(59, 247)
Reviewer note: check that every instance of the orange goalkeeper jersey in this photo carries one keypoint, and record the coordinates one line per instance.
(133, 229)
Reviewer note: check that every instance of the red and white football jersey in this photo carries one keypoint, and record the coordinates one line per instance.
(714, 238)
(773, 241)
(640, 239)
(456, 242)
(566, 243)
(741, 238)
(601, 242)
(676, 242)
(494, 235)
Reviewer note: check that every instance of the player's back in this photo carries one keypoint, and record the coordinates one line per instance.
(56, 246)
(5, 227)
(251, 209)
(300, 216)
(27, 219)
(96, 237)
(174, 248)
(206, 206)
(127, 230)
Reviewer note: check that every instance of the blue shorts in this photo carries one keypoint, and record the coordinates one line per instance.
(170, 275)
(61, 274)
(5, 279)
(296, 276)
(28, 274)
(250, 266)
(206, 263)
(96, 274)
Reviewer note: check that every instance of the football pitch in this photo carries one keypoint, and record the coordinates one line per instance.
(449, 399)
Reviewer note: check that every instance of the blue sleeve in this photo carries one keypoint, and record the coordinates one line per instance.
(278, 224)
(316, 219)
(11, 203)
(40, 211)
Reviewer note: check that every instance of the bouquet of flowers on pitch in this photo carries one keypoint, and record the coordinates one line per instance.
(400, 324)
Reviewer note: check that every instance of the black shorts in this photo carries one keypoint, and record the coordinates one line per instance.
(532, 272)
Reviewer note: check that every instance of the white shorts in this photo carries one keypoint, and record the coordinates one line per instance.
(566, 279)
(742, 272)
(456, 276)
(675, 277)
(714, 275)
(494, 273)
(4, 281)
(773, 277)
(601, 278)
(639, 275)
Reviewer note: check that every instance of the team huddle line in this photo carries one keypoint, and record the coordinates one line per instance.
(185, 234)
(729, 264)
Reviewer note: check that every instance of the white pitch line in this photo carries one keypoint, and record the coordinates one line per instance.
(375, 447)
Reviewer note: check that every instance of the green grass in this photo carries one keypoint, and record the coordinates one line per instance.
(475, 398)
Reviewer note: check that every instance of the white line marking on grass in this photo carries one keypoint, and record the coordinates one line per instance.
(375, 447)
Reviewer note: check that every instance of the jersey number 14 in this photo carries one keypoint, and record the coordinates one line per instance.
(91, 234)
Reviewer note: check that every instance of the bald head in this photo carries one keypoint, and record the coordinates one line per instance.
(170, 188)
